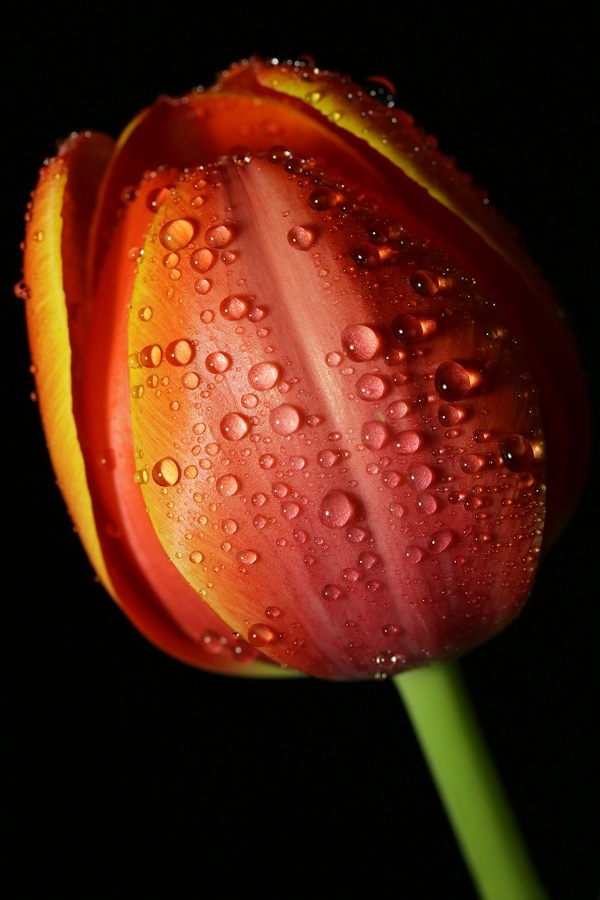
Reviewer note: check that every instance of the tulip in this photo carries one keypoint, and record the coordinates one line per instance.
(311, 406)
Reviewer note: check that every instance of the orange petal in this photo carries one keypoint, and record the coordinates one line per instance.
(299, 460)
(57, 311)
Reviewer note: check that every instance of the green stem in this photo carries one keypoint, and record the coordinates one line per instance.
(468, 784)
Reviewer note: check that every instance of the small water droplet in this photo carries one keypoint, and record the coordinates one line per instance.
(151, 356)
(371, 387)
(453, 381)
(196, 557)
(420, 477)
(333, 359)
(450, 415)
(247, 557)
(439, 540)
(407, 442)
(331, 592)
(229, 526)
(374, 435)
(233, 308)
(322, 198)
(202, 260)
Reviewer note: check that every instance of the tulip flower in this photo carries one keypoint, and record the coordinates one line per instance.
(311, 406)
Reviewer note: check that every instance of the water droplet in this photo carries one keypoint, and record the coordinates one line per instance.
(371, 387)
(145, 313)
(266, 461)
(367, 560)
(365, 255)
(179, 353)
(391, 479)
(396, 411)
(420, 477)
(331, 592)
(166, 472)
(322, 198)
(407, 442)
(450, 415)
(260, 635)
(407, 329)
(301, 238)
(453, 381)
(202, 260)
(196, 556)
(360, 343)
(333, 359)
(234, 426)
(439, 540)
(397, 510)
(374, 435)
(413, 555)
(337, 509)
(426, 504)
(425, 283)
(176, 234)
(219, 236)
(151, 356)
(289, 509)
(350, 575)
(516, 452)
(328, 458)
(247, 557)
(227, 485)
(274, 612)
(190, 381)
(217, 362)
(284, 419)
(229, 526)
(233, 308)
(472, 463)
(263, 376)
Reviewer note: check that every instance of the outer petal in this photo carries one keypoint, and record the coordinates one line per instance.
(338, 443)
(67, 335)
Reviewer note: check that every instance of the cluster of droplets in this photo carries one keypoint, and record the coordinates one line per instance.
(415, 404)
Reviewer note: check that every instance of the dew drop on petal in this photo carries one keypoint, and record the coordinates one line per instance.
(337, 509)
(217, 362)
(151, 356)
(331, 592)
(453, 381)
(179, 353)
(374, 435)
(219, 236)
(439, 540)
(407, 442)
(516, 452)
(370, 387)
(234, 426)
(284, 419)
(176, 234)
(263, 376)
(166, 472)
(233, 308)
(301, 238)
(201, 260)
(259, 635)
(360, 342)
(227, 485)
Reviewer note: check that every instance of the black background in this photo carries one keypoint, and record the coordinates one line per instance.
(130, 773)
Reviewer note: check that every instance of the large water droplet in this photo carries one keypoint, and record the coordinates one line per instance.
(219, 236)
(374, 435)
(337, 509)
(331, 592)
(301, 238)
(260, 635)
(234, 426)
(263, 376)
(453, 381)
(151, 356)
(166, 472)
(176, 234)
(284, 419)
(439, 540)
(179, 353)
(227, 485)
(233, 308)
(217, 362)
(201, 260)
(360, 342)
(516, 452)
(371, 387)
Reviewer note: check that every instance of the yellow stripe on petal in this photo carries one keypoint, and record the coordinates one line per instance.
(51, 350)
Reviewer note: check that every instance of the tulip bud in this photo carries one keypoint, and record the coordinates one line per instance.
(299, 381)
